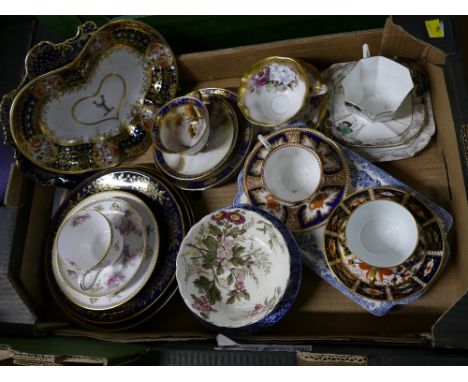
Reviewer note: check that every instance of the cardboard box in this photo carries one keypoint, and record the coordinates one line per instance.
(320, 311)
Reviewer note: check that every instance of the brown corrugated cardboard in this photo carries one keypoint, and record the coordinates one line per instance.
(320, 311)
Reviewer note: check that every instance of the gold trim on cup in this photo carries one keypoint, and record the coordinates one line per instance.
(257, 67)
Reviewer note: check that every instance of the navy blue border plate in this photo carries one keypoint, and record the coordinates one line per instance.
(171, 229)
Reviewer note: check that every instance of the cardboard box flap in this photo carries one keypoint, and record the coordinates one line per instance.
(451, 330)
(397, 42)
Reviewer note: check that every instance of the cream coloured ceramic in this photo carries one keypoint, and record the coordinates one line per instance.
(224, 131)
(233, 267)
(87, 244)
(377, 86)
(182, 126)
(144, 271)
(273, 91)
(382, 233)
(292, 173)
(128, 224)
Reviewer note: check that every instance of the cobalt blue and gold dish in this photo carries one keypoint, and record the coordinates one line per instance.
(314, 212)
(95, 111)
(413, 276)
(172, 221)
(42, 58)
(234, 160)
(239, 270)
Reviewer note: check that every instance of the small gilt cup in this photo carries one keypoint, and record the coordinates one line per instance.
(182, 126)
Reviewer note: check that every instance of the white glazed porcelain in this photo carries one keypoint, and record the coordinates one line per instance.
(292, 173)
(273, 91)
(223, 137)
(233, 267)
(382, 233)
(88, 243)
(128, 224)
(377, 86)
(144, 270)
(182, 126)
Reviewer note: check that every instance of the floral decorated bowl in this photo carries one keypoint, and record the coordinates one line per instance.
(234, 267)
(273, 91)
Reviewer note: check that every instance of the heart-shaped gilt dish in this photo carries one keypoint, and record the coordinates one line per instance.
(95, 112)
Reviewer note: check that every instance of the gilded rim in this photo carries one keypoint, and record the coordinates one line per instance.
(246, 127)
(70, 311)
(330, 142)
(174, 174)
(70, 64)
(243, 88)
(152, 263)
(436, 220)
(130, 207)
(287, 202)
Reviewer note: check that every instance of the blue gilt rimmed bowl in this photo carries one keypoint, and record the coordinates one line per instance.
(239, 270)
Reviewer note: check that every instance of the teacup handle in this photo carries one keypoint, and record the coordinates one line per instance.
(81, 279)
(264, 141)
(196, 94)
(365, 51)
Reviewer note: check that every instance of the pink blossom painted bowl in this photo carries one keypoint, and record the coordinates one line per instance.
(233, 268)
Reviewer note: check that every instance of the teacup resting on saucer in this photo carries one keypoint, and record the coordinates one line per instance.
(291, 173)
(377, 86)
(86, 243)
(182, 126)
(382, 233)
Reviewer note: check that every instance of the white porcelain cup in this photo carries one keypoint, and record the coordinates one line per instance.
(382, 233)
(87, 242)
(182, 126)
(291, 173)
(377, 86)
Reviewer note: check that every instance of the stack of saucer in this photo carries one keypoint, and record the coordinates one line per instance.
(400, 134)
(200, 140)
(112, 248)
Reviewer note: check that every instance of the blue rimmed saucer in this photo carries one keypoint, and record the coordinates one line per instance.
(235, 160)
(172, 225)
(200, 306)
(317, 210)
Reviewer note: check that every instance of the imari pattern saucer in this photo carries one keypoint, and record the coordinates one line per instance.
(403, 281)
(92, 113)
(333, 188)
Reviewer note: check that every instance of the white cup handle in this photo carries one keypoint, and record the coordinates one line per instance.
(365, 51)
(264, 142)
(82, 276)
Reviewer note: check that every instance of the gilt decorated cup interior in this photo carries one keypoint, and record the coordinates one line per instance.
(273, 91)
(182, 126)
(292, 173)
(382, 233)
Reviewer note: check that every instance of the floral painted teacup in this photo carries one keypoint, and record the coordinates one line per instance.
(87, 242)
(182, 126)
(273, 91)
(292, 173)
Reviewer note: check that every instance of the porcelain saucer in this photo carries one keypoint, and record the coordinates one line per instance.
(135, 265)
(400, 282)
(350, 126)
(129, 225)
(224, 131)
(333, 188)
(234, 161)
